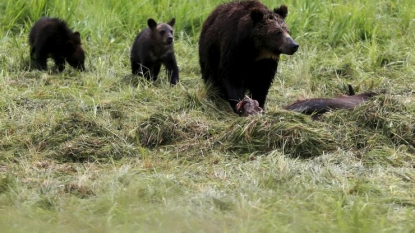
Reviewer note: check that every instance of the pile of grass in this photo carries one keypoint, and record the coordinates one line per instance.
(296, 135)
(391, 117)
(78, 138)
(400, 157)
(158, 129)
(162, 129)
(383, 120)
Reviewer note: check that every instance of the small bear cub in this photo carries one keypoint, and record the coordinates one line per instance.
(51, 37)
(153, 47)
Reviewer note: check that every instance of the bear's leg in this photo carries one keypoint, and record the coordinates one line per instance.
(146, 71)
(234, 94)
(260, 95)
(155, 70)
(41, 59)
(41, 55)
(136, 68)
(262, 80)
(32, 53)
(32, 57)
(172, 70)
(59, 62)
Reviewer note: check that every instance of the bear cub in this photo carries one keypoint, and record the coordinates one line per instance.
(153, 47)
(51, 37)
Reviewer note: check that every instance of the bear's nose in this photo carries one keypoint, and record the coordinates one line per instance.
(170, 40)
(295, 47)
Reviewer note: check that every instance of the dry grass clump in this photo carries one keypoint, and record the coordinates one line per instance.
(158, 129)
(164, 129)
(293, 133)
(77, 138)
(381, 121)
(82, 191)
(383, 155)
(393, 118)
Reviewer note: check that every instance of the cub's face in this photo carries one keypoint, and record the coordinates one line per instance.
(162, 32)
(76, 55)
(271, 34)
(77, 58)
(165, 33)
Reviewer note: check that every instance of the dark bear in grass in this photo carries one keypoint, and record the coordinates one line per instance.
(239, 49)
(51, 37)
(153, 47)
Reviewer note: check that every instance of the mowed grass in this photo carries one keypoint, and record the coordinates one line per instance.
(90, 152)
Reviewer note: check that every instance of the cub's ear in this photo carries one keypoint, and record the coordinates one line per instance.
(172, 22)
(151, 23)
(282, 11)
(77, 36)
(257, 15)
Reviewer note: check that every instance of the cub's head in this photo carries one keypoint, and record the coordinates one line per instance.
(163, 32)
(271, 34)
(75, 54)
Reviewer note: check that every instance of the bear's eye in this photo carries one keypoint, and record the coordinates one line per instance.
(162, 32)
(171, 32)
(270, 17)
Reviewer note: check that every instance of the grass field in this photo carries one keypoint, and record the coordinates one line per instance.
(89, 152)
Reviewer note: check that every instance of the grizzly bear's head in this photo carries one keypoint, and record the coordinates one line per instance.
(270, 33)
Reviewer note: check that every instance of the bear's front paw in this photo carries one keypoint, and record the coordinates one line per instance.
(248, 106)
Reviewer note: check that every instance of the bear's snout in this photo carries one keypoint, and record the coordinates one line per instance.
(290, 46)
(169, 40)
(294, 47)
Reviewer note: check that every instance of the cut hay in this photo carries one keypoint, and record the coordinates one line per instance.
(77, 138)
(384, 156)
(157, 130)
(292, 133)
(383, 121)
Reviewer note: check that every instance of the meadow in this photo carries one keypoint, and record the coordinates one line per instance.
(105, 151)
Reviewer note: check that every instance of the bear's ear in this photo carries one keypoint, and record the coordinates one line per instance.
(172, 22)
(151, 23)
(77, 36)
(282, 11)
(257, 15)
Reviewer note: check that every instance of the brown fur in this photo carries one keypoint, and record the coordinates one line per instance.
(153, 47)
(319, 106)
(239, 48)
(51, 37)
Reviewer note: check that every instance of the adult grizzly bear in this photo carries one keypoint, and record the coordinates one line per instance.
(239, 48)
(152, 47)
(52, 37)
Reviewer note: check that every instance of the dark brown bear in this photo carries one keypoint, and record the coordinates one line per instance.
(239, 49)
(153, 47)
(51, 37)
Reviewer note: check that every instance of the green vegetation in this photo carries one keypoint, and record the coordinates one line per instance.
(90, 152)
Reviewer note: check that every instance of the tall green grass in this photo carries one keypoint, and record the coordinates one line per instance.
(104, 151)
